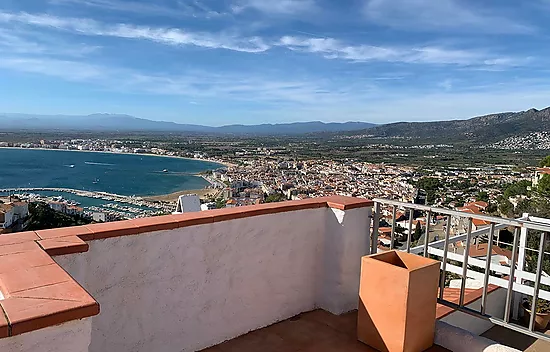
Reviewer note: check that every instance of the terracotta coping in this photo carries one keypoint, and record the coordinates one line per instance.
(170, 222)
(38, 293)
(453, 295)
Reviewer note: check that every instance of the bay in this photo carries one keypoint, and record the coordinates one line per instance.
(124, 174)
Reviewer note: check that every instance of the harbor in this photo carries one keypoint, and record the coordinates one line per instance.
(114, 205)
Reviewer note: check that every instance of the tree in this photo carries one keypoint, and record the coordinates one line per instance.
(517, 189)
(431, 185)
(506, 208)
(545, 162)
(220, 203)
(544, 186)
(417, 232)
(483, 196)
(43, 217)
(275, 198)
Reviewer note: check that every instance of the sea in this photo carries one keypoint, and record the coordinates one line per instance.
(123, 174)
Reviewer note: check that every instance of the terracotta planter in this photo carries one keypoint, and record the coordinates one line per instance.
(398, 297)
(541, 319)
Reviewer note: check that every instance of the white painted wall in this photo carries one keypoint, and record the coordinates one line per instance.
(496, 302)
(194, 287)
(74, 336)
(346, 240)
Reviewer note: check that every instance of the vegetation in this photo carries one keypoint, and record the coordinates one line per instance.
(543, 306)
(483, 196)
(275, 198)
(520, 188)
(431, 185)
(43, 217)
(544, 186)
(417, 232)
(545, 162)
(220, 203)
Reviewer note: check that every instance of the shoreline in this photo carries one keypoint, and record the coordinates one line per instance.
(160, 197)
(223, 163)
(203, 193)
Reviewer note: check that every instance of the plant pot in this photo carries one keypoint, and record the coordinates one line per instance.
(541, 319)
(398, 298)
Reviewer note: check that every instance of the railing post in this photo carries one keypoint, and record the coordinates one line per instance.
(522, 246)
(487, 269)
(375, 226)
(537, 282)
(427, 235)
(510, 292)
(465, 262)
(393, 225)
(411, 219)
(445, 252)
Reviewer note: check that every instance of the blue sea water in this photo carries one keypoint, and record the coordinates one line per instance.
(124, 174)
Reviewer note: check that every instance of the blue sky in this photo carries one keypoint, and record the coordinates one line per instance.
(218, 62)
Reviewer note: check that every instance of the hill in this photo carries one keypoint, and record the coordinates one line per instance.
(127, 123)
(488, 128)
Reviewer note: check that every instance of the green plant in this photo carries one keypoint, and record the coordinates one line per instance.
(543, 306)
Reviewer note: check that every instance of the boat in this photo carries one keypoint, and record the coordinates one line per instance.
(165, 170)
(71, 166)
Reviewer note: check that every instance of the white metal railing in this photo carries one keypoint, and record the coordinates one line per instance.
(514, 278)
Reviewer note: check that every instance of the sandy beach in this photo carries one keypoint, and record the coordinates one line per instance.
(205, 193)
(224, 163)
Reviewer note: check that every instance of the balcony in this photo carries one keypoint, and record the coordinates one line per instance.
(281, 277)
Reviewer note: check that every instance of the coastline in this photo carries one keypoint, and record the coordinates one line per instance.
(204, 193)
(170, 197)
(223, 163)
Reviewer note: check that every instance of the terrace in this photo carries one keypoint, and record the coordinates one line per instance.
(281, 276)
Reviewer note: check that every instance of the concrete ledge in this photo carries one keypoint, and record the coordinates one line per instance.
(459, 340)
(35, 292)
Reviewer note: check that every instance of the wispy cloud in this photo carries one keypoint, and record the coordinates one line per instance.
(20, 42)
(276, 7)
(441, 14)
(329, 48)
(169, 36)
(192, 8)
(332, 48)
(194, 85)
(69, 70)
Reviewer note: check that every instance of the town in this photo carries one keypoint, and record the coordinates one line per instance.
(271, 174)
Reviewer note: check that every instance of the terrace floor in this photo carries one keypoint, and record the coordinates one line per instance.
(517, 340)
(316, 331)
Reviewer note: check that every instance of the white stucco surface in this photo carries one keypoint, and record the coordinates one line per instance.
(496, 302)
(194, 287)
(74, 336)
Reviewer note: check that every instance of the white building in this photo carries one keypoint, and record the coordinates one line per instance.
(6, 215)
(188, 203)
(11, 212)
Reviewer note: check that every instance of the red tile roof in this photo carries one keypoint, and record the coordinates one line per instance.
(480, 250)
(453, 295)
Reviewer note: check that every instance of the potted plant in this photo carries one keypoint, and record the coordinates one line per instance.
(542, 314)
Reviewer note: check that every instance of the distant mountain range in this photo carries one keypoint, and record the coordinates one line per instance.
(126, 123)
(482, 129)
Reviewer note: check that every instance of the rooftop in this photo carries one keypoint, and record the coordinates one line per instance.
(192, 281)
(315, 331)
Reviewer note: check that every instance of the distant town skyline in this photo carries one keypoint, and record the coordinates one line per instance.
(219, 62)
